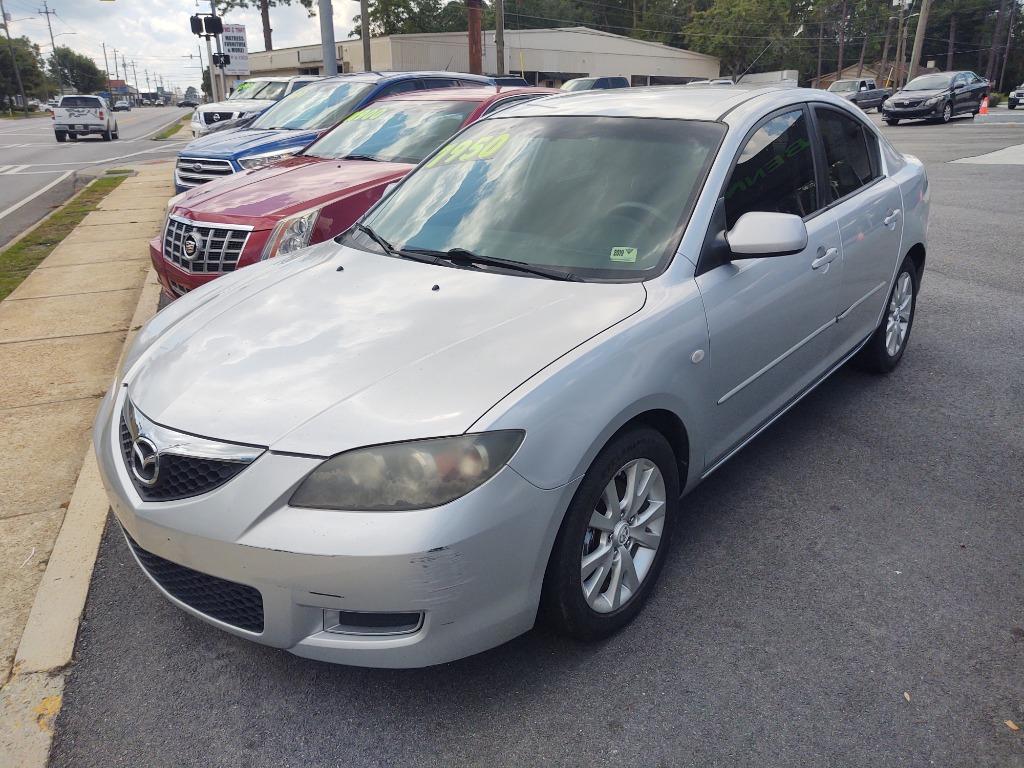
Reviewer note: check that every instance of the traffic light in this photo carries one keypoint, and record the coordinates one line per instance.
(206, 25)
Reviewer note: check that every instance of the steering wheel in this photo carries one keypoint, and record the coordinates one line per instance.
(644, 208)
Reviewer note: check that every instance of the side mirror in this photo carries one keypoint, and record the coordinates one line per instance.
(758, 234)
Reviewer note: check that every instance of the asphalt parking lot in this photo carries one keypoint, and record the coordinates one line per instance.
(845, 591)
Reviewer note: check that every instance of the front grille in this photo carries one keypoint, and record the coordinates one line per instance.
(217, 248)
(217, 117)
(193, 171)
(178, 477)
(909, 103)
(228, 601)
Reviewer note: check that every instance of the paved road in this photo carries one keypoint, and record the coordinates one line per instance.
(33, 163)
(869, 545)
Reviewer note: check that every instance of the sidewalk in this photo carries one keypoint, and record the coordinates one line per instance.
(61, 336)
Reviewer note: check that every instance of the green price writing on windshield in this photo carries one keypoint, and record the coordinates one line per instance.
(373, 113)
(482, 148)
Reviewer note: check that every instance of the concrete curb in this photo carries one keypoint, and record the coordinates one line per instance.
(32, 697)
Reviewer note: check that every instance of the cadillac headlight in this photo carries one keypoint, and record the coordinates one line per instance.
(291, 234)
(174, 201)
(262, 161)
(404, 476)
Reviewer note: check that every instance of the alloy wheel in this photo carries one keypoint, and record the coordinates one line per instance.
(947, 113)
(897, 323)
(623, 536)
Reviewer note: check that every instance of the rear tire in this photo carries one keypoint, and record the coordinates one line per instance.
(602, 567)
(62, 136)
(108, 135)
(885, 348)
(117, 132)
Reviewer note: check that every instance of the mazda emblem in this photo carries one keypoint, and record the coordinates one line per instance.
(145, 461)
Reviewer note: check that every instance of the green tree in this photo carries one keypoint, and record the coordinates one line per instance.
(79, 73)
(30, 65)
(714, 31)
(264, 6)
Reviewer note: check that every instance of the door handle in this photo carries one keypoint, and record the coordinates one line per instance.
(889, 220)
(824, 257)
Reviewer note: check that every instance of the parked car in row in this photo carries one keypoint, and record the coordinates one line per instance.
(316, 195)
(482, 403)
(78, 115)
(122, 105)
(938, 97)
(594, 83)
(1015, 97)
(249, 99)
(862, 92)
(297, 120)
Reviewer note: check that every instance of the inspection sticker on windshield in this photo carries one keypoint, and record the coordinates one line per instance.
(367, 114)
(622, 253)
(483, 148)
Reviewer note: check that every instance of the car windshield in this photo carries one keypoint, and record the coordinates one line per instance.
(246, 89)
(395, 131)
(598, 198)
(582, 84)
(929, 82)
(313, 107)
(843, 86)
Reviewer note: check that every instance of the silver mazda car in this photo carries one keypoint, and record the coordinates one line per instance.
(486, 401)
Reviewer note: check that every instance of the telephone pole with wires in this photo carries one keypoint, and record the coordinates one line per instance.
(48, 13)
(14, 60)
(106, 70)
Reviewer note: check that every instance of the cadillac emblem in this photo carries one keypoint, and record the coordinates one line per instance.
(190, 247)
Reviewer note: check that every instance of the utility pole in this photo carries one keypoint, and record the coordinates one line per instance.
(1006, 51)
(997, 34)
(47, 13)
(135, 77)
(842, 39)
(106, 71)
(901, 35)
(885, 52)
(220, 69)
(364, 31)
(146, 73)
(327, 38)
(476, 65)
(821, 37)
(14, 60)
(922, 23)
(116, 75)
(499, 34)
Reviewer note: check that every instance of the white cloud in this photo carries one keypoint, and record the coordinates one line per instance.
(155, 34)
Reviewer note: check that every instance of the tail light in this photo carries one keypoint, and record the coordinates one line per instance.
(101, 114)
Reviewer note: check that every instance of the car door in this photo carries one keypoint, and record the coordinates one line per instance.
(962, 94)
(770, 320)
(867, 206)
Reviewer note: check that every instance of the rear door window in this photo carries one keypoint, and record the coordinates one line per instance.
(439, 82)
(848, 157)
(402, 86)
(775, 170)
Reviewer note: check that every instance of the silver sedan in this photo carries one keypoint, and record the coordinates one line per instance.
(486, 402)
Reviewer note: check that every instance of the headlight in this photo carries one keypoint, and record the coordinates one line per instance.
(404, 476)
(933, 101)
(195, 116)
(260, 161)
(174, 201)
(291, 234)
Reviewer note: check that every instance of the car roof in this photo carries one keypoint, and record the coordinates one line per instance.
(665, 101)
(469, 93)
(382, 76)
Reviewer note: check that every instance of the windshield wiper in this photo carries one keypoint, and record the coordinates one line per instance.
(462, 257)
(360, 157)
(390, 250)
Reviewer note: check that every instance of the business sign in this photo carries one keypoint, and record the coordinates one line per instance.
(234, 45)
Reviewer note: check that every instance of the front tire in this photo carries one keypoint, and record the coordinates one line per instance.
(947, 113)
(887, 344)
(614, 538)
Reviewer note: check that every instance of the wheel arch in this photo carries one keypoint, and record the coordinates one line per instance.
(917, 255)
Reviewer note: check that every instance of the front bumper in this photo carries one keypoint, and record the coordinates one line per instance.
(912, 113)
(472, 569)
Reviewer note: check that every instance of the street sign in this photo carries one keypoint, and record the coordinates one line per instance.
(237, 48)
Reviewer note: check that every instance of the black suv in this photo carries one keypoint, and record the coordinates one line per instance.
(937, 97)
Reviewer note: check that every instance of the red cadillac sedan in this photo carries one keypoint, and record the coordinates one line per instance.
(317, 194)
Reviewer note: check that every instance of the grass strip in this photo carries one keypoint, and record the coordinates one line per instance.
(171, 129)
(18, 261)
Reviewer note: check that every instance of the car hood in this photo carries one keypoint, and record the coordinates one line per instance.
(287, 187)
(245, 142)
(300, 356)
(921, 94)
(238, 105)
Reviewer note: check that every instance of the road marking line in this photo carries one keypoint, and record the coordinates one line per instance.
(3, 168)
(14, 169)
(34, 195)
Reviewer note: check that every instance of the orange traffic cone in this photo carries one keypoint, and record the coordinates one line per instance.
(984, 106)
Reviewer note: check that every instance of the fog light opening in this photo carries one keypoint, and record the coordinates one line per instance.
(369, 624)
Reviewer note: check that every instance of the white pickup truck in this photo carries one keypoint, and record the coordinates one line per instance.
(81, 115)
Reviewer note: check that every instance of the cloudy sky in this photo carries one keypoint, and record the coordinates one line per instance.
(155, 33)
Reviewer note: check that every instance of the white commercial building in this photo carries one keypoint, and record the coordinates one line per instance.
(543, 56)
